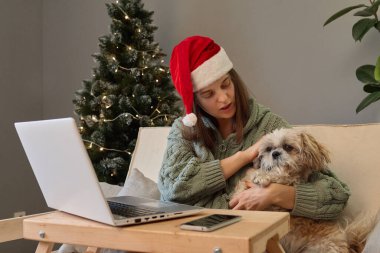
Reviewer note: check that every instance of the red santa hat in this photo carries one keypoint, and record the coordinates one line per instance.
(196, 62)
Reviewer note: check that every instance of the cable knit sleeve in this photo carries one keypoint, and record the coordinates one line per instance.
(324, 197)
(191, 176)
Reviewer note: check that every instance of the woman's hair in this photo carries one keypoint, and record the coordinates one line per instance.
(201, 133)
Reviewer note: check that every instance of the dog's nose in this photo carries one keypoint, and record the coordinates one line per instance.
(276, 154)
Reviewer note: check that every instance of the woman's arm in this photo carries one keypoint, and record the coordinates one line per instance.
(259, 198)
(237, 161)
(190, 176)
(324, 197)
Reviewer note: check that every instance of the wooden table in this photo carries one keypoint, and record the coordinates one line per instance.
(256, 232)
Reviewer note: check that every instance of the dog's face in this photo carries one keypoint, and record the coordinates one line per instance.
(291, 152)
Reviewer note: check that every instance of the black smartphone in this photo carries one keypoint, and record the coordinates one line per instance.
(211, 222)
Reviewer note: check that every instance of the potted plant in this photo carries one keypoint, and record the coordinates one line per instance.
(369, 75)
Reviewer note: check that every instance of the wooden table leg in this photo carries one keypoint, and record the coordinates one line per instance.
(92, 250)
(274, 246)
(44, 247)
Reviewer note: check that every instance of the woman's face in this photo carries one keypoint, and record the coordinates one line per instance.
(218, 99)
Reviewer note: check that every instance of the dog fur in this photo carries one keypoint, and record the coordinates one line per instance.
(289, 157)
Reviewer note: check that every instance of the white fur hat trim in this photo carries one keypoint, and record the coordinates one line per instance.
(189, 120)
(211, 70)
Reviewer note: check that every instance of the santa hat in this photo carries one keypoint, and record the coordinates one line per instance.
(196, 62)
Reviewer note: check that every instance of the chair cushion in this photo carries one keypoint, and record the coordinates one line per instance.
(138, 185)
(373, 242)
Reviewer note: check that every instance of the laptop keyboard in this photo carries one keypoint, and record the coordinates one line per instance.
(130, 211)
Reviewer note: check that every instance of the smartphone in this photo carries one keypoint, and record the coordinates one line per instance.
(211, 222)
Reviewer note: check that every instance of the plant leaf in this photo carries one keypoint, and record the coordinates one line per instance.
(364, 13)
(377, 26)
(365, 74)
(361, 27)
(371, 87)
(371, 98)
(369, 11)
(377, 70)
(342, 12)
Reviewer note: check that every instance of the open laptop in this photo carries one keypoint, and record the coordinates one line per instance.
(68, 181)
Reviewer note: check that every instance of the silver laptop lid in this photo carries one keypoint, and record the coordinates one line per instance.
(63, 169)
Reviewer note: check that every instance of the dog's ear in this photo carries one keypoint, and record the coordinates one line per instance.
(315, 154)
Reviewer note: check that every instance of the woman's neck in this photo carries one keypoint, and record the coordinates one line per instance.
(225, 127)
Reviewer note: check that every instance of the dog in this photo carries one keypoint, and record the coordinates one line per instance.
(290, 157)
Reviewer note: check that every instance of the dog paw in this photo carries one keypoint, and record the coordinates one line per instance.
(262, 181)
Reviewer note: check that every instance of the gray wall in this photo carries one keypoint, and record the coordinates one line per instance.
(292, 64)
(71, 30)
(20, 100)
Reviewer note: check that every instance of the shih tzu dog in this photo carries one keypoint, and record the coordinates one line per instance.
(289, 157)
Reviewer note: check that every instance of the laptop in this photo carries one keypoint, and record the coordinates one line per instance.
(68, 181)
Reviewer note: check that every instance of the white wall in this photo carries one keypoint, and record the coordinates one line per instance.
(292, 64)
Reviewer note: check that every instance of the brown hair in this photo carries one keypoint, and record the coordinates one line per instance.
(201, 133)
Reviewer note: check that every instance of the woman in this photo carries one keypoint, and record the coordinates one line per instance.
(209, 149)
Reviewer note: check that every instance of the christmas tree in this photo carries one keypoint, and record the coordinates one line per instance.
(129, 88)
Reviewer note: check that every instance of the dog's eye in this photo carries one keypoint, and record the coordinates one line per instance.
(268, 149)
(288, 147)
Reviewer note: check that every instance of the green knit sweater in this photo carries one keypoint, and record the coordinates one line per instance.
(191, 173)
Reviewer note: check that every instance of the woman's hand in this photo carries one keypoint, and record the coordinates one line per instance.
(234, 163)
(259, 198)
(252, 152)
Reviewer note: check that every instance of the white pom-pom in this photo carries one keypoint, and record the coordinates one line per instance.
(189, 120)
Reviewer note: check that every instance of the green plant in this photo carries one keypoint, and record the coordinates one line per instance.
(369, 75)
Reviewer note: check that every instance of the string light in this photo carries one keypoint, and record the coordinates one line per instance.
(163, 115)
(134, 68)
(142, 51)
(122, 115)
(101, 148)
(125, 14)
